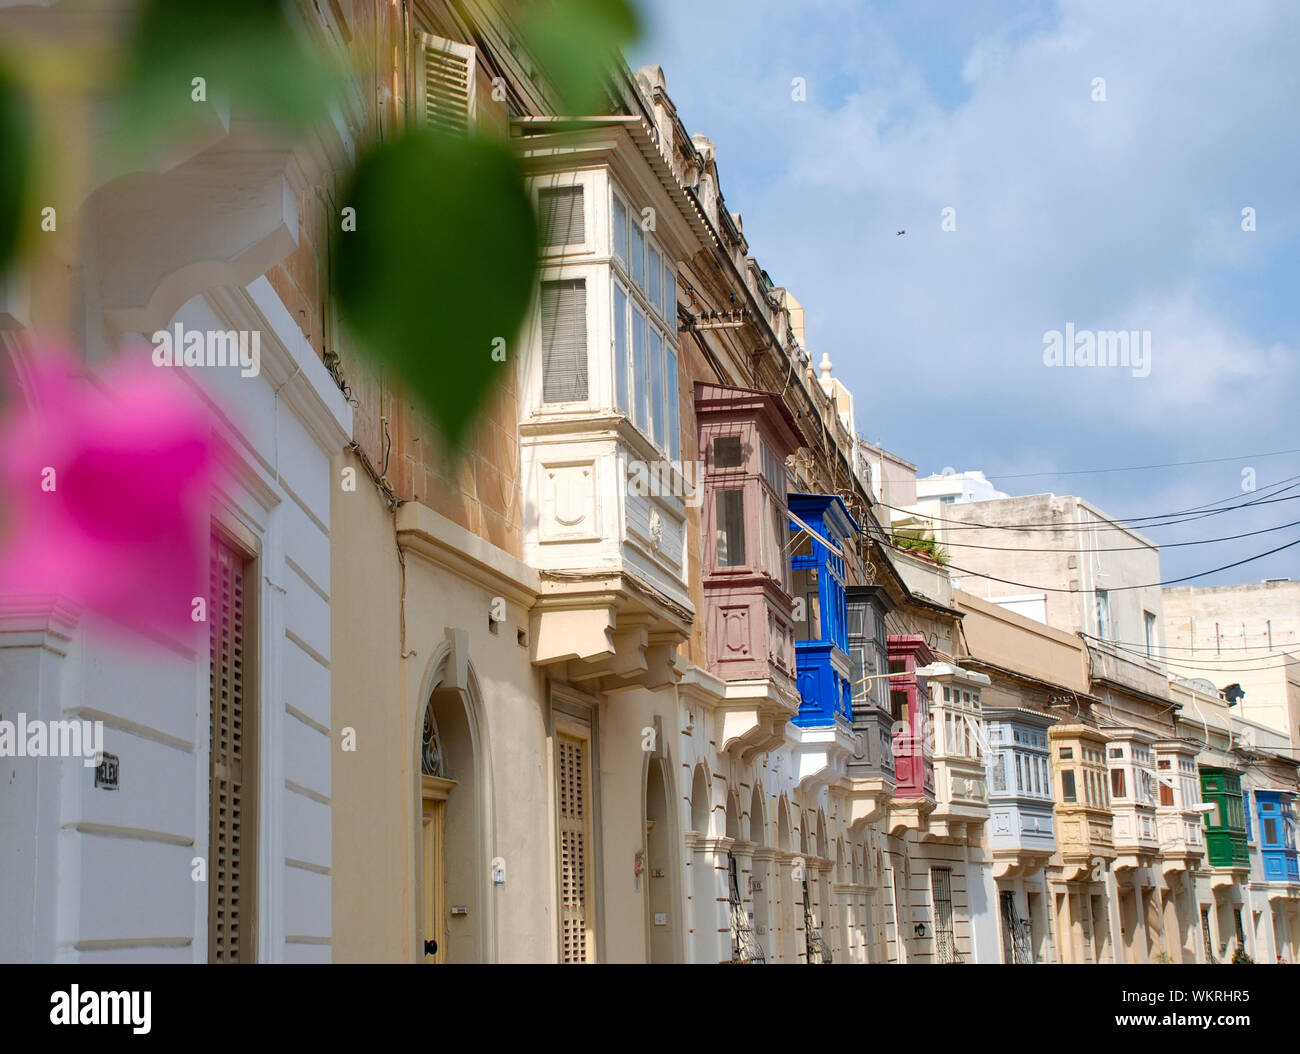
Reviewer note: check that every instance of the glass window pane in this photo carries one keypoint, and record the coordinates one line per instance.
(620, 229)
(730, 528)
(639, 416)
(561, 216)
(670, 297)
(674, 423)
(564, 341)
(657, 387)
(620, 350)
(727, 452)
(653, 288)
(638, 255)
(1067, 785)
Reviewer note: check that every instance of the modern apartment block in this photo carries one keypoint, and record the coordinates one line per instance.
(1247, 636)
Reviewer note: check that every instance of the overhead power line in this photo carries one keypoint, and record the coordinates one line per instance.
(1159, 653)
(1129, 523)
(1143, 468)
(1207, 667)
(1116, 589)
(1113, 549)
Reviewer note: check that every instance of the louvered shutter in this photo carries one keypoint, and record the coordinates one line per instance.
(562, 215)
(574, 806)
(564, 341)
(231, 853)
(446, 84)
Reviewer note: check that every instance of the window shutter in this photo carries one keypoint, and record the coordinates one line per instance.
(561, 211)
(231, 849)
(564, 341)
(446, 84)
(574, 808)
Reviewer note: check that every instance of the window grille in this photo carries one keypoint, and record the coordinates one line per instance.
(744, 946)
(818, 951)
(941, 888)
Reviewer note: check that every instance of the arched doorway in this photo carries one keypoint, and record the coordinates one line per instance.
(761, 880)
(435, 792)
(659, 870)
(453, 902)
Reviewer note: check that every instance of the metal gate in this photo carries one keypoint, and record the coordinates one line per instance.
(744, 947)
(817, 948)
(941, 888)
(1015, 932)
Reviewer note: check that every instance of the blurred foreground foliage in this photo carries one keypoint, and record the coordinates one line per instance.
(436, 274)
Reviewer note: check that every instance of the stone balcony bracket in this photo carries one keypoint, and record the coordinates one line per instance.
(607, 632)
(1223, 879)
(821, 755)
(750, 717)
(868, 800)
(909, 814)
(1177, 860)
(1018, 863)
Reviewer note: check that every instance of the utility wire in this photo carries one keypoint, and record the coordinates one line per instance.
(1113, 549)
(1143, 468)
(1141, 650)
(1116, 589)
(1188, 647)
(1127, 524)
(1132, 652)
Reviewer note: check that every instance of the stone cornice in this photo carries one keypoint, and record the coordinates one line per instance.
(424, 532)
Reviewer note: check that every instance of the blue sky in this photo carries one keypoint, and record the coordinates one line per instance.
(1117, 215)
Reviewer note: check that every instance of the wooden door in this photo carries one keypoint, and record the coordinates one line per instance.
(434, 848)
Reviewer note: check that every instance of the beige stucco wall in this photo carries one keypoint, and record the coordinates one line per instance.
(381, 697)
(1015, 642)
(364, 638)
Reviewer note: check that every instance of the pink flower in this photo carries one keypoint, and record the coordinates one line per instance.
(106, 490)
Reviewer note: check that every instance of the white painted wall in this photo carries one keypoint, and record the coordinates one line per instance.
(97, 875)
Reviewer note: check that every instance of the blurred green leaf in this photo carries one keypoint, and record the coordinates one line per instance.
(16, 149)
(245, 51)
(440, 266)
(575, 41)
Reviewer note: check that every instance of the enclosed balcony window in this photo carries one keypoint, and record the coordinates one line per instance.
(1117, 788)
(746, 578)
(998, 774)
(730, 547)
(749, 529)
(1068, 792)
(564, 341)
(620, 230)
(561, 216)
(644, 332)
(728, 452)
